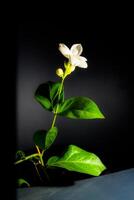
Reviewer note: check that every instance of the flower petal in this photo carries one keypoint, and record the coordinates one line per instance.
(78, 61)
(83, 65)
(64, 50)
(76, 49)
(74, 60)
(72, 68)
(83, 59)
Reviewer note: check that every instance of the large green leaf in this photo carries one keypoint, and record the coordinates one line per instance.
(80, 108)
(44, 139)
(79, 160)
(47, 95)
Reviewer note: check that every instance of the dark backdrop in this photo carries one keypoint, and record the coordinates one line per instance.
(107, 80)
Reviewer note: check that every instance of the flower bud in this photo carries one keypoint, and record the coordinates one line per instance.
(59, 72)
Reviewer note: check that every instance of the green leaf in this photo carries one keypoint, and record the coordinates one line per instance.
(44, 102)
(21, 182)
(79, 160)
(80, 108)
(47, 95)
(50, 137)
(44, 139)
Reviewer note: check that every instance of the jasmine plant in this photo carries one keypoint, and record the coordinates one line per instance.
(50, 95)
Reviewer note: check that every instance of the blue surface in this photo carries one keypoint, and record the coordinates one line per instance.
(114, 186)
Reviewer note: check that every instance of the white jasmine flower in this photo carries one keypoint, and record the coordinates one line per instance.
(73, 55)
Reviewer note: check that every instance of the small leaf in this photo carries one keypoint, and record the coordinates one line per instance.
(50, 137)
(44, 139)
(20, 155)
(21, 182)
(79, 160)
(80, 108)
(47, 95)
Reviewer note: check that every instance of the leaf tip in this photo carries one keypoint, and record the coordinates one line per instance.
(102, 116)
(100, 170)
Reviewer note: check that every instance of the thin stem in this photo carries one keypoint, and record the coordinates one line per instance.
(38, 149)
(55, 114)
(40, 155)
(38, 172)
(46, 174)
(54, 119)
(53, 123)
(42, 162)
(41, 159)
(43, 151)
(60, 88)
(26, 158)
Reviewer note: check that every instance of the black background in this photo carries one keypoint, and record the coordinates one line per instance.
(107, 39)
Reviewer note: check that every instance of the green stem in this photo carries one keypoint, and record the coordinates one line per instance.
(41, 159)
(42, 162)
(46, 174)
(40, 155)
(38, 172)
(54, 119)
(53, 123)
(55, 114)
(26, 158)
